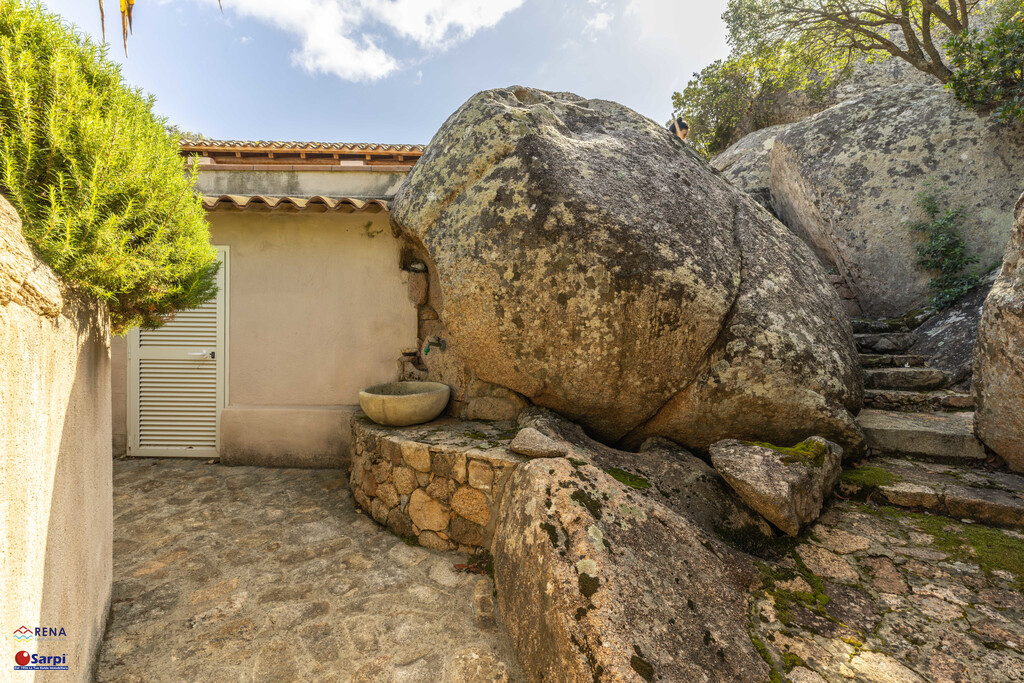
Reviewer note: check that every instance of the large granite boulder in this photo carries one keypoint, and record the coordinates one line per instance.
(786, 485)
(999, 357)
(746, 164)
(847, 181)
(598, 579)
(947, 338)
(591, 262)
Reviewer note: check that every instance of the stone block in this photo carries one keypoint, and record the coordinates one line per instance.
(404, 480)
(467, 533)
(361, 499)
(441, 489)
(400, 524)
(379, 511)
(481, 476)
(442, 462)
(382, 472)
(369, 485)
(416, 456)
(387, 494)
(429, 539)
(472, 504)
(427, 513)
(418, 288)
(459, 473)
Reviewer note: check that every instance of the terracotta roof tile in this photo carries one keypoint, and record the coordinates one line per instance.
(285, 146)
(343, 204)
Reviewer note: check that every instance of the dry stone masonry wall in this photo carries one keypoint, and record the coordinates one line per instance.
(438, 484)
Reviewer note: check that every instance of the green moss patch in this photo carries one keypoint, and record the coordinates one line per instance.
(632, 480)
(870, 478)
(991, 549)
(808, 453)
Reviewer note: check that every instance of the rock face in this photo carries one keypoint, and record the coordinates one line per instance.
(589, 261)
(747, 163)
(947, 338)
(847, 181)
(598, 580)
(999, 357)
(787, 486)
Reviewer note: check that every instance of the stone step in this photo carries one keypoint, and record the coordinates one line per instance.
(917, 401)
(880, 326)
(888, 360)
(906, 379)
(896, 342)
(942, 437)
(994, 498)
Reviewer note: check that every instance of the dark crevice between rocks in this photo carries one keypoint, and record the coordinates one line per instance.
(717, 343)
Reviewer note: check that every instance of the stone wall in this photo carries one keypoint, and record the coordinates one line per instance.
(55, 468)
(438, 484)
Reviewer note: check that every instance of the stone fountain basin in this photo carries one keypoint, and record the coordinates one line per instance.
(400, 404)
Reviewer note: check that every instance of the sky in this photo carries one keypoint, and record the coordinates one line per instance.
(392, 71)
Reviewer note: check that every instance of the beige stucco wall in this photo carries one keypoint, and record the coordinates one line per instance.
(55, 467)
(119, 394)
(318, 309)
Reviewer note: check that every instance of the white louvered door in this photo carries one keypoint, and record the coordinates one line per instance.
(177, 380)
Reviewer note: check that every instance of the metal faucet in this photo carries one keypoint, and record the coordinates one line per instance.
(437, 342)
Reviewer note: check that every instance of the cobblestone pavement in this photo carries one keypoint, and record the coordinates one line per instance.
(875, 593)
(251, 574)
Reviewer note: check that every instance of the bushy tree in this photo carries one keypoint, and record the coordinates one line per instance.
(988, 71)
(94, 175)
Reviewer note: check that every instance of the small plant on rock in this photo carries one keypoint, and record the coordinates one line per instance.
(944, 250)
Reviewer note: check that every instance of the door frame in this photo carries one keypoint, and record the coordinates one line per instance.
(223, 374)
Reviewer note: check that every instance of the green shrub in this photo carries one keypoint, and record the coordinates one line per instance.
(94, 175)
(944, 250)
(988, 71)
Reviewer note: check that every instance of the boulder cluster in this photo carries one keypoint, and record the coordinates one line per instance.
(682, 361)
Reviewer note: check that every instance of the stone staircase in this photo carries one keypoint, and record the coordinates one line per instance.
(921, 437)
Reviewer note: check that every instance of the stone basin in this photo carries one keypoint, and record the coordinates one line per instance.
(399, 404)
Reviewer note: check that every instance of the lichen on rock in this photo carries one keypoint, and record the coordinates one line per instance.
(592, 263)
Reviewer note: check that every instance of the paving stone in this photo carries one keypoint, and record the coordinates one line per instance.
(312, 591)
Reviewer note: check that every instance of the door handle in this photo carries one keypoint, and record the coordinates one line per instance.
(202, 354)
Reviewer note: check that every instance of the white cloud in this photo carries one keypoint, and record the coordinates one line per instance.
(600, 22)
(335, 36)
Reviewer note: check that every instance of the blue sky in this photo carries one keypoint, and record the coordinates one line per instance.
(393, 70)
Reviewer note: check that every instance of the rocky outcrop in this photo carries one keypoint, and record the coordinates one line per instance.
(599, 580)
(747, 163)
(589, 261)
(999, 357)
(946, 339)
(787, 486)
(847, 181)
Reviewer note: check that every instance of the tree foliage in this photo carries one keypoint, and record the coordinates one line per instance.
(911, 30)
(989, 70)
(95, 177)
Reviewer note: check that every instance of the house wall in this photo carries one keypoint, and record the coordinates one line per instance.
(368, 183)
(318, 309)
(56, 501)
